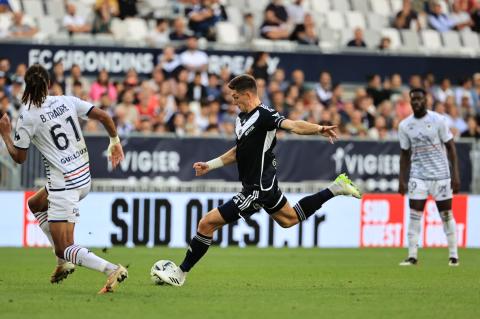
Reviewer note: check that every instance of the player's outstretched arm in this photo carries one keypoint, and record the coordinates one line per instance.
(452, 157)
(307, 128)
(202, 168)
(115, 150)
(17, 154)
(404, 168)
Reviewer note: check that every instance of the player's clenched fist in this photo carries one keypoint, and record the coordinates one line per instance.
(201, 168)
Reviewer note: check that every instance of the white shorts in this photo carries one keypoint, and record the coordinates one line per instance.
(419, 189)
(63, 205)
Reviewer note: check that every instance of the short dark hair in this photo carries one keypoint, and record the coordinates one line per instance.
(243, 82)
(417, 90)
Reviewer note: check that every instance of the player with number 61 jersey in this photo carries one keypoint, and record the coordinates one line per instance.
(55, 130)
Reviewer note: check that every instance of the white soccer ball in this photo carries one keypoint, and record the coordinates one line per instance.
(160, 265)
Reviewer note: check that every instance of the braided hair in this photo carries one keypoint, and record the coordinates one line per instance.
(36, 90)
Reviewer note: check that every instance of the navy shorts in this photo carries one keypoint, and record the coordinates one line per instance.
(249, 201)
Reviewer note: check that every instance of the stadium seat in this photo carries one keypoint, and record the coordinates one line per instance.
(119, 29)
(257, 5)
(377, 21)
(137, 28)
(284, 45)
(82, 38)
(396, 6)
(48, 25)
(451, 40)
(227, 32)
(411, 41)
(322, 6)
(381, 7)
(157, 4)
(335, 20)
(263, 44)
(328, 38)
(355, 19)
(394, 36)
(56, 8)
(372, 38)
(234, 15)
(360, 5)
(341, 5)
(241, 4)
(104, 39)
(84, 10)
(431, 39)
(470, 40)
(60, 38)
(33, 8)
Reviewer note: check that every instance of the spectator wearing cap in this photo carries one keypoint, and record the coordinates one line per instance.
(74, 22)
(20, 29)
(195, 60)
(357, 41)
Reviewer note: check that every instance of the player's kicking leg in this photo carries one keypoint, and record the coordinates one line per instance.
(38, 205)
(198, 247)
(287, 216)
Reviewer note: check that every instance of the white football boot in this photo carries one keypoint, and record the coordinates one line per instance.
(344, 186)
(172, 275)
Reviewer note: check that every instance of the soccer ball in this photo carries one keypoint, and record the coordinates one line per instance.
(160, 266)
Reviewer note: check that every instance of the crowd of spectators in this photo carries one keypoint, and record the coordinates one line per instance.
(281, 20)
(180, 97)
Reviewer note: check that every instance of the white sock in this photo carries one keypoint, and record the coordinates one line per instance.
(450, 229)
(42, 219)
(414, 228)
(83, 257)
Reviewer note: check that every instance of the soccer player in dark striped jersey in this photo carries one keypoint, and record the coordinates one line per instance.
(255, 131)
(51, 124)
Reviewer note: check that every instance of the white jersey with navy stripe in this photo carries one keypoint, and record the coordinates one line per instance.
(426, 137)
(55, 130)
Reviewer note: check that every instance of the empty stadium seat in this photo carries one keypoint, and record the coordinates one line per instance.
(355, 19)
(431, 39)
(396, 6)
(257, 5)
(83, 38)
(157, 4)
(48, 25)
(104, 39)
(234, 15)
(451, 40)
(137, 28)
(263, 44)
(335, 20)
(328, 38)
(119, 29)
(60, 38)
(33, 8)
(56, 8)
(470, 40)
(394, 36)
(411, 40)
(376, 21)
(381, 7)
(322, 6)
(340, 5)
(227, 32)
(360, 5)
(372, 38)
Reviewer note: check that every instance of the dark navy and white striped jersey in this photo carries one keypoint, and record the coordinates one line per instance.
(55, 130)
(256, 139)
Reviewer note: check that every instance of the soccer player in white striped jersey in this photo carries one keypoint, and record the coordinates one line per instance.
(427, 148)
(51, 124)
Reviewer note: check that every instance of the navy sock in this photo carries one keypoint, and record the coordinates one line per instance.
(307, 206)
(198, 247)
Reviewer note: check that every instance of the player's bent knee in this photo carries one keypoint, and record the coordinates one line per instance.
(205, 227)
(286, 222)
(34, 205)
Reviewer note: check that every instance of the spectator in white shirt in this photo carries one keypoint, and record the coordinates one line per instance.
(296, 12)
(160, 35)
(73, 22)
(195, 60)
(460, 17)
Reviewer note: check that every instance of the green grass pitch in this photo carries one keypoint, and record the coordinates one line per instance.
(249, 283)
